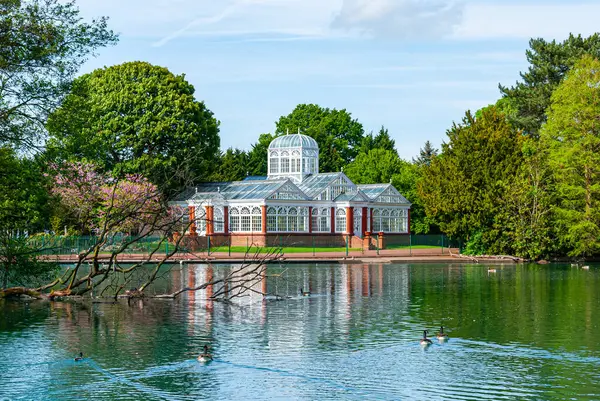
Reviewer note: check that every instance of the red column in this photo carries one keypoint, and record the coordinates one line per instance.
(333, 220)
(409, 221)
(310, 228)
(226, 219)
(350, 220)
(264, 219)
(371, 219)
(363, 223)
(210, 220)
(192, 213)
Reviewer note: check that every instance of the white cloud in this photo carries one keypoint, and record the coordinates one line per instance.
(399, 19)
(550, 21)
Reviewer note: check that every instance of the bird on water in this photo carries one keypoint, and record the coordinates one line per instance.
(425, 342)
(304, 293)
(205, 356)
(79, 357)
(441, 335)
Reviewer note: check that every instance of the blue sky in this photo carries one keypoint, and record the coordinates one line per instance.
(414, 66)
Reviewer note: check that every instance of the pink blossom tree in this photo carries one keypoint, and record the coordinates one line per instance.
(101, 203)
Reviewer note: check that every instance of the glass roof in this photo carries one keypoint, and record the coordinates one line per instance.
(260, 189)
(294, 141)
(315, 184)
(373, 190)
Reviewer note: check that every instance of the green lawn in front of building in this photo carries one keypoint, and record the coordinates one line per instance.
(284, 250)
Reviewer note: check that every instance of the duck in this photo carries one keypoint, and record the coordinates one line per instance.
(441, 335)
(79, 358)
(585, 267)
(425, 342)
(304, 293)
(491, 270)
(205, 356)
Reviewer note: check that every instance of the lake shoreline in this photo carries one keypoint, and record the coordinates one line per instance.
(353, 257)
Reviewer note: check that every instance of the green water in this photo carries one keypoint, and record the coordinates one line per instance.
(522, 333)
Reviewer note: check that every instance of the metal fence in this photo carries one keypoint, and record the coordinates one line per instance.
(285, 244)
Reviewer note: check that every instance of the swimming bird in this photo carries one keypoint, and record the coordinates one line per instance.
(585, 267)
(79, 358)
(425, 342)
(441, 335)
(205, 356)
(304, 293)
(491, 270)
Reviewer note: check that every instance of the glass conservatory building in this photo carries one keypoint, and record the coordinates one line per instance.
(296, 202)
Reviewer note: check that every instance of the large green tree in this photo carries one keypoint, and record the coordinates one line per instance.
(42, 45)
(339, 135)
(380, 141)
(137, 118)
(463, 188)
(23, 211)
(233, 166)
(258, 155)
(381, 166)
(572, 137)
(549, 62)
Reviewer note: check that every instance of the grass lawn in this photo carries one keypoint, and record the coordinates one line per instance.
(308, 249)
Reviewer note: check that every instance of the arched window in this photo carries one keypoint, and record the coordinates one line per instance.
(271, 219)
(200, 214)
(234, 219)
(321, 220)
(256, 219)
(390, 220)
(219, 223)
(287, 219)
(245, 219)
(285, 162)
(340, 220)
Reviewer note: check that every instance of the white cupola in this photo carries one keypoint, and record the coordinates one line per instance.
(293, 156)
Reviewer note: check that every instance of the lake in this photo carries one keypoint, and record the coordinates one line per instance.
(524, 332)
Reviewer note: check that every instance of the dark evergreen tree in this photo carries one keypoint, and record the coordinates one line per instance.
(426, 154)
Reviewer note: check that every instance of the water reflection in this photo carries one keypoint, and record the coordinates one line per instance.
(524, 332)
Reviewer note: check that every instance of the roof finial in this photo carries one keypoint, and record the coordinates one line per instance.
(196, 189)
(219, 189)
(287, 132)
(390, 180)
(342, 169)
(298, 130)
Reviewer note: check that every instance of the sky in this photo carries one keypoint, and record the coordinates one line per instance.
(413, 66)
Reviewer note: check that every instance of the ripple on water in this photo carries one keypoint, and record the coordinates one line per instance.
(355, 338)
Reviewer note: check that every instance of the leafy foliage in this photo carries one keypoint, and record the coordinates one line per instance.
(338, 135)
(42, 45)
(23, 196)
(234, 165)
(572, 136)
(462, 189)
(549, 63)
(97, 201)
(136, 118)
(19, 264)
(380, 141)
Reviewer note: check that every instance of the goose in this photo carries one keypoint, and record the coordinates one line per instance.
(205, 356)
(79, 358)
(304, 293)
(441, 335)
(425, 342)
